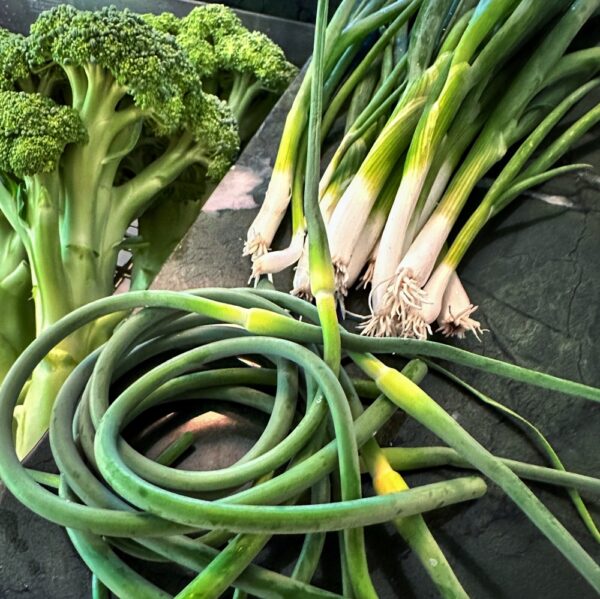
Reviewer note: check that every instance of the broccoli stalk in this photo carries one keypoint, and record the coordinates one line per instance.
(164, 224)
(17, 328)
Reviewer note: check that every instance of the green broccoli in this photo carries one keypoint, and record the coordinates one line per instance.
(257, 66)
(166, 22)
(14, 69)
(34, 131)
(245, 69)
(242, 67)
(102, 115)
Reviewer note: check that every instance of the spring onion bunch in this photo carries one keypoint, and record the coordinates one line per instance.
(465, 91)
(343, 42)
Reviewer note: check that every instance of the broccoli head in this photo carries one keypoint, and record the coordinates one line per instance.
(107, 117)
(34, 131)
(166, 22)
(215, 133)
(253, 54)
(210, 23)
(232, 62)
(200, 31)
(110, 45)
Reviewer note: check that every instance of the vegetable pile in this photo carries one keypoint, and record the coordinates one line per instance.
(287, 358)
(107, 118)
(433, 97)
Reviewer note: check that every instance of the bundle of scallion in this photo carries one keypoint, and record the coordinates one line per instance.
(436, 96)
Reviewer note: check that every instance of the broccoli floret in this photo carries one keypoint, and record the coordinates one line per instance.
(258, 67)
(255, 56)
(237, 65)
(217, 132)
(210, 23)
(34, 131)
(115, 59)
(115, 53)
(13, 62)
(197, 35)
(166, 22)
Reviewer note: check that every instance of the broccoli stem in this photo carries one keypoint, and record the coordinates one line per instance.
(65, 213)
(84, 208)
(133, 197)
(243, 92)
(18, 330)
(46, 381)
(165, 223)
(50, 283)
(53, 295)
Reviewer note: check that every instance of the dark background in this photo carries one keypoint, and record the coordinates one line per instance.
(299, 10)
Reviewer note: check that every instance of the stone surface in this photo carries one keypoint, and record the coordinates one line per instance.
(300, 10)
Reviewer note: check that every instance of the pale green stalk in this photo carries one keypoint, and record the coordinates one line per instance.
(413, 529)
(417, 458)
(323, 290)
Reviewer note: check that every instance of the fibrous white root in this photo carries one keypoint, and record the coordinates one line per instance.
(255, 246)
(459, 324)
(340, 270)
(367, 277)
